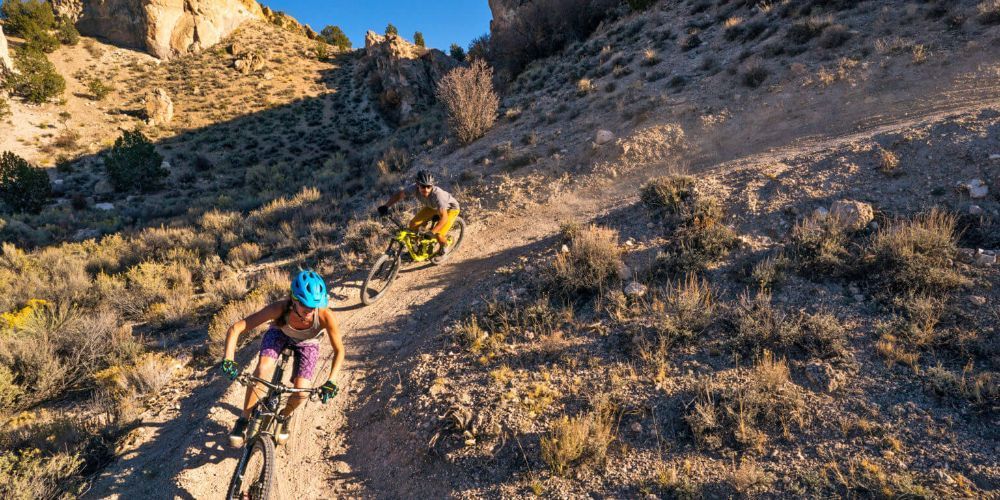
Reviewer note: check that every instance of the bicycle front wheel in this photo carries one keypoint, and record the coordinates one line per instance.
(254, 473)
(382, 275)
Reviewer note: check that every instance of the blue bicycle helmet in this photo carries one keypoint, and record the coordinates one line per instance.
(309, 289)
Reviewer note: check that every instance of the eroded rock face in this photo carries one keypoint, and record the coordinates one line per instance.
(6, 64)
(402, 75)
(159, 107)
(164, 28)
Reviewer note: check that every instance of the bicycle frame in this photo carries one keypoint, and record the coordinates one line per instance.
(420, 249)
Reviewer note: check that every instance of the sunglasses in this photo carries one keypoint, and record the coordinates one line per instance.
(304, 309)
(426, 187)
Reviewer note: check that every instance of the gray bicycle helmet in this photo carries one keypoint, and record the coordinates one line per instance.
(425, 178)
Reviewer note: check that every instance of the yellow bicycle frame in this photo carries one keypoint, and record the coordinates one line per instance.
(418, 248)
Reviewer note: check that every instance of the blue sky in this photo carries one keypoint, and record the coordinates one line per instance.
(442, 22)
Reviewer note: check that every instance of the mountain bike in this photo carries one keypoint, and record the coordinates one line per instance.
(417, 246)
(254, 474)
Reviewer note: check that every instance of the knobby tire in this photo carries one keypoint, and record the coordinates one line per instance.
(257, 488)
(377, 270)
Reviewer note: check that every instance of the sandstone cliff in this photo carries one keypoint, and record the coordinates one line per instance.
(403, 75)
(164, 28)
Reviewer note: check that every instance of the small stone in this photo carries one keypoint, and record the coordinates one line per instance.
(635, 289)
(976, 188)
(977, 300)
(636, 427)
(603, 137)
(564, 249)
(985, 258)
(975, 210)
(630, 242)
(104, 206)
(854, 215)
(995, 157)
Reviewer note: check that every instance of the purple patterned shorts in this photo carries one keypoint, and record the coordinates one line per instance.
(306, 354)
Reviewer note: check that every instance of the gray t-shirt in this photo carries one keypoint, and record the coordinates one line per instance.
(438, 199)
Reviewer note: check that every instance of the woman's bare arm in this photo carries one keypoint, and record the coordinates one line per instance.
(270, 312)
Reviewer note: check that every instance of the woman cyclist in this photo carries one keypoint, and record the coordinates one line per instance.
(297, 322)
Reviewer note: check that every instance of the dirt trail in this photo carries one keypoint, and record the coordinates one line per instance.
(181, 453)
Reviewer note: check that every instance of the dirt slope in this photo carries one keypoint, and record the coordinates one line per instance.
(181, 452)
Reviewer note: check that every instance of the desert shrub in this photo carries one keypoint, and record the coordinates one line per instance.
(737, 413)
(820, 246)
(28, 474)
(336, 37)
(418, 39)
(4, 108)
(23, 187)
(365, 237)
(134, 164)
(591, 264)
(754, 74)
(989, 12)
(391, 29)
(321, 50)
(479, 48)
(834, 36)
(669, 194)
(805, 30)
(575, 439)
(749, 478)
(244, 254)
(99, 89)
(38, 80)
(10, 392)
(150, 373)
(68, 34)
(471, 103)
(916, 256)
(230, 314)
(699, 241)
(757, 326)
(22, 17)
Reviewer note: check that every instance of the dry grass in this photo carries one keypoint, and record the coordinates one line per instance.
(888, 162)
(820, 247)
(668, 194)
(916, 256)
(989, 12)
(981, 389)
(468, 95)
(758, 326)
(654, 144)
(28, 474)
(741, 411)
(573, 440)
(231, 313)
(749, 478)
(591, 264)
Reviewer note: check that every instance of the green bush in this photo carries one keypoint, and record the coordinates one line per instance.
(4, 108)
(391, 29)
(23, 187)
(38, 81)
(418, 39)
(68, 34)
(336, 37)
(457, 52)
(25, 17)
(28, 473)
(99, 89)
(133, 163)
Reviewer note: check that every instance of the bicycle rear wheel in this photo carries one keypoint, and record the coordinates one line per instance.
(254, 474)
(454, 236)
(382, 275)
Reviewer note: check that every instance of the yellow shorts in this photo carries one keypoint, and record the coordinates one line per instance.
(426, 214)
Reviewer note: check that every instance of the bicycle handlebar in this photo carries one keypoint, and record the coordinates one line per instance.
(247, 379)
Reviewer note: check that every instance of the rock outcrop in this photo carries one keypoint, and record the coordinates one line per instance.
(6, 64)
(164, 28)
(403, 75)
(159, 107)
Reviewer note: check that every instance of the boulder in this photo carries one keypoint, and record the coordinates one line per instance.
(853, 215)
(164, 28)
(403, 75)
(250, 62)
(159, 107)
(985, 258)
(603, 137)
(6, 64)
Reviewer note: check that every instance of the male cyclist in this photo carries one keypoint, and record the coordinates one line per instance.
(437, 203)
(297, 322)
